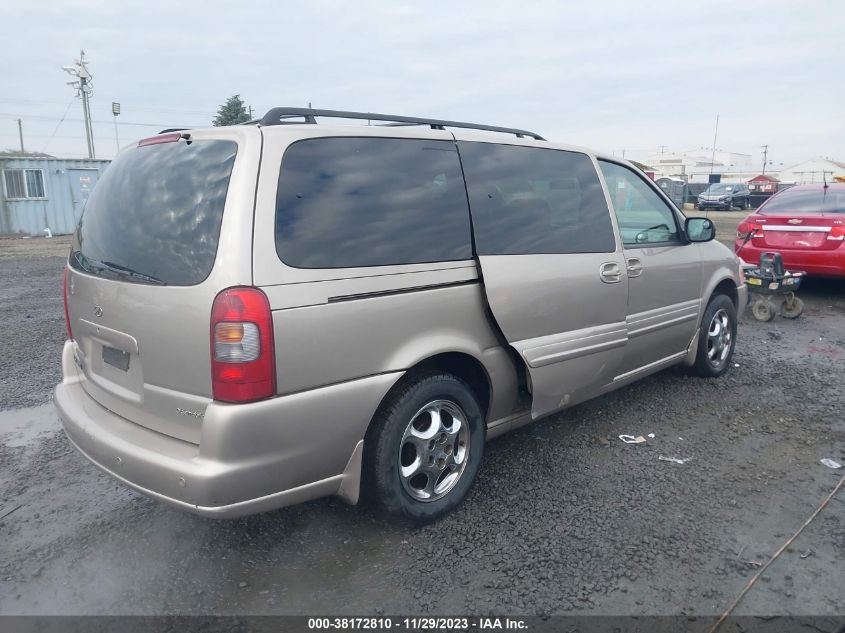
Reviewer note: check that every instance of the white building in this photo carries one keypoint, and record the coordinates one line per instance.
(816, 169)
(696, 166)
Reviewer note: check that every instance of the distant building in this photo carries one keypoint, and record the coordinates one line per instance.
(697, 166)
(41, 192)
(816, 169)
(764, 183)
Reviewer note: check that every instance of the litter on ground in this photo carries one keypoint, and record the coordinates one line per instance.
(630, 439)
(674, 460)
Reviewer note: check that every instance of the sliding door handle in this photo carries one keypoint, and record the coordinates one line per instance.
(634, 266)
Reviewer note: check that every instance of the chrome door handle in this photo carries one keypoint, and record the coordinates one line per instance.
(635, 267)
(610, 273)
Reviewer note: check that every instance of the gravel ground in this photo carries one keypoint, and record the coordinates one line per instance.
(32, 315)
(564, 518)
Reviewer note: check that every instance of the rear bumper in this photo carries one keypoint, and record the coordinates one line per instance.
(251, 458)
(712, 204)
(814, 262)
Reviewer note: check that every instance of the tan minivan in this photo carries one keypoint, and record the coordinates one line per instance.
(267, 313)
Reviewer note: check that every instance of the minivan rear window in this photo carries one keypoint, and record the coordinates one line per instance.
(154, 216)
(348, 202)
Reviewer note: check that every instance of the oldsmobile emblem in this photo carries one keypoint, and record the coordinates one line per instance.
(795, 221)
(98, 311)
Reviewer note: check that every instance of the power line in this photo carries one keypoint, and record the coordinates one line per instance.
(139, 108)
(56, 129)
(7, 115)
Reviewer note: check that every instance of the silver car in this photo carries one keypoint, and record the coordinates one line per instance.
(268, 313)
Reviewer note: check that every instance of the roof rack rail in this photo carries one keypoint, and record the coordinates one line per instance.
(278, 116)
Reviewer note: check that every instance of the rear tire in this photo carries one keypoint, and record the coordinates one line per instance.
(424, 447)
(716, 338)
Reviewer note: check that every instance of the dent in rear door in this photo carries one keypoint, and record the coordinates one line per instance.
(553, 275)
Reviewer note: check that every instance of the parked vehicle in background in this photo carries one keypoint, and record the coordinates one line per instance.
(284, 312)
(725, 195)
(805, 223)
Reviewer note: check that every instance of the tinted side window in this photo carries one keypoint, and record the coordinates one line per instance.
(346, 202)
(643, 216)
(528, 200)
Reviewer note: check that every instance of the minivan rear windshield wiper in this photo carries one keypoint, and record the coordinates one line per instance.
(129, 272)
(117, 270)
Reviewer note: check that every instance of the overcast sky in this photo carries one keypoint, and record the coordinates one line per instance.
(609, 75)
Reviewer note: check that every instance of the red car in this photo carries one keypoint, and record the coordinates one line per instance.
(805, 223)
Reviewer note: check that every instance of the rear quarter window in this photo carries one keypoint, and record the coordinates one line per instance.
(350, 202)
(528, 200)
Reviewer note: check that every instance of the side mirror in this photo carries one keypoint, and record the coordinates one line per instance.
(699, 229)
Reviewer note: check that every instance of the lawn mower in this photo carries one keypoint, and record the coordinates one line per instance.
(769, 283)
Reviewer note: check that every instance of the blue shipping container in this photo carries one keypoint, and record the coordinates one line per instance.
(39, 193)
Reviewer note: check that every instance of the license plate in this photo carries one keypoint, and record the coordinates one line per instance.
(116, 358)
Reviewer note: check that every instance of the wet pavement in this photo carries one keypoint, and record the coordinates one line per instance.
(564, 518)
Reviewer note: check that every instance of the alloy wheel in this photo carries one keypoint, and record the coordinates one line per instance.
(434, 450)
(719, 338)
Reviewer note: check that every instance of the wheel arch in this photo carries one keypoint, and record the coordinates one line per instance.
(461, 365)
(727, 287)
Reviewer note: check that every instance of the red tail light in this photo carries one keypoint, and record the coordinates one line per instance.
(243, 364)
(64, 296)
(837, 233)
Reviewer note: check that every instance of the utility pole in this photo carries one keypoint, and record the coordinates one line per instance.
(20, 133)
(713, 153)
(84, 89)
(765, 149)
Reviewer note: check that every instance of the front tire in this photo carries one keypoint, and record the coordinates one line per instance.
(763, 310)
(716, 338)
(424, 447)
(792, 308)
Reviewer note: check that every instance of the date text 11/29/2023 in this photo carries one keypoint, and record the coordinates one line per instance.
(420, 623)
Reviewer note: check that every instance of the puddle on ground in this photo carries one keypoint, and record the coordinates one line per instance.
(21, 427)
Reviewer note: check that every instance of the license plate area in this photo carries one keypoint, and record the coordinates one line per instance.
(116, 358)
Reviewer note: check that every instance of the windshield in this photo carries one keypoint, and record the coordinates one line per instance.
(806, 201)
(720, 187)
(155, 215)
